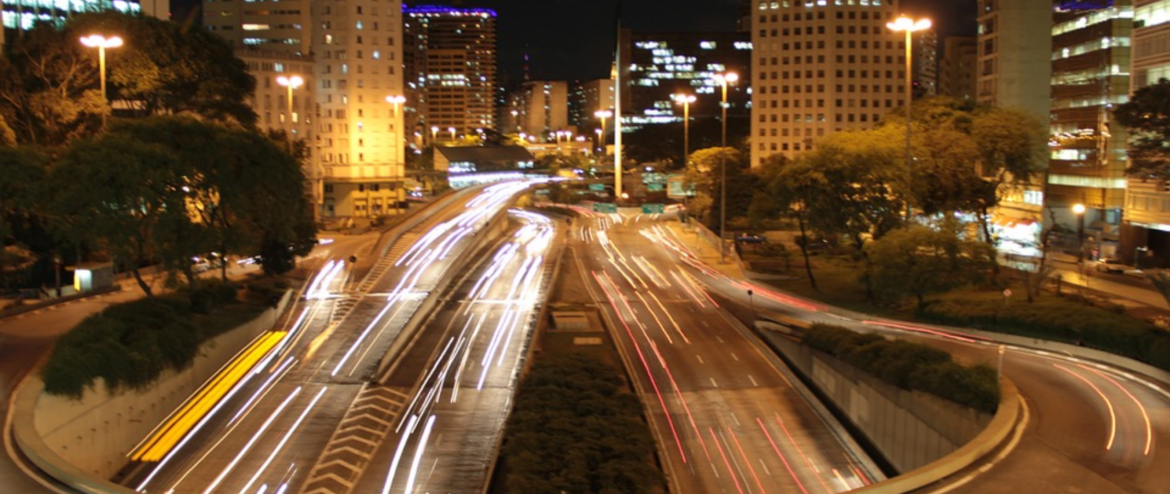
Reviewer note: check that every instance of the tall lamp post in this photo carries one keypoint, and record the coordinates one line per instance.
(1079, 210)
(434, 134)
(603, 114)
(686, 100)
(452, 131)
(909, 26)
(290, 82)
(723, 79)
(101, 43)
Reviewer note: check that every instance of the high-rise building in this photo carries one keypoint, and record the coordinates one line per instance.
(18, 16)
(1090, 75)
(357, 137)
(821, 68)
(1015, 54)
(656, 66)
(1013, 66)
(538, 110)
(586, 99)
(925, 64)
(1147, 202)
(450, 69)
(276, 107)
(957, 68)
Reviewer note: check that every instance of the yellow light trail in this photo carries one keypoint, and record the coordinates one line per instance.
(160, 442)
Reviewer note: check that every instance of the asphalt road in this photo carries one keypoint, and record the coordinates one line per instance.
(726, 418)
(1090, 428)
(462, 373)
(277, 431)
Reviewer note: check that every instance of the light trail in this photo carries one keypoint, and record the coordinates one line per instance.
(1108, 403)
(781, 455)
(1145, 416)
(284, 440)
(807, 461)
(734, 477)
(251, 442)
(746, 460)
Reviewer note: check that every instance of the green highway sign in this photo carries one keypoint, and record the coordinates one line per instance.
(655, 187)
(653, 208)
(604, 207)
(597, 187)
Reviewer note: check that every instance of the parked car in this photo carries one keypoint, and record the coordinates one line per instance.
(1112, 265)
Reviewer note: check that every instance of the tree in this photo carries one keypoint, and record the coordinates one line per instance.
(165, 69)
(797, 190)
(22, 171)
(704, 172)
(920, 260)
(861, 170)
(114, 191)
(49, 87)
(1147, 116)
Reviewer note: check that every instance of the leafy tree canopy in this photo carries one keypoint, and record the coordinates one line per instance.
(1147, 116)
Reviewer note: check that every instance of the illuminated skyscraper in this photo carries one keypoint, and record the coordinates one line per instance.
(1147, 202)
(450, 57)
(820, 68)
(17, 15)
(356, 135)
(660, 65)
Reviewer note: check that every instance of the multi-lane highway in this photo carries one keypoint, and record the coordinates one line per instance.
(1089, 427)
(727, 419)
(270, 432)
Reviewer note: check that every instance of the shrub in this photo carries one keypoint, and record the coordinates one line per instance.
(130, 344)
(909, 365)
(1053, 320)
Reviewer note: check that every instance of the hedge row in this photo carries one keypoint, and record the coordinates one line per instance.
(909, 365)
(130, 344)
(1053, 319)
(574, 429)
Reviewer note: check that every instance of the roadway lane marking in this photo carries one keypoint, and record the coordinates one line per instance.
(733, 419)
(700, 357)
(765, 467)
(1011, 446)
(753, 380)
(713, 383)
(718, 338)
(734, 357)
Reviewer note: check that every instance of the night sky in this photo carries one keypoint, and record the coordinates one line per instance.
(573, 39)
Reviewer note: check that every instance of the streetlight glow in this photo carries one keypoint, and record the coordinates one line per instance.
(1079, 208)
(101, 43)
(603, 114)
(909, 26)
(723, 80)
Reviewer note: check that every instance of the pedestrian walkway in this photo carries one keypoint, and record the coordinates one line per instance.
(705, 251)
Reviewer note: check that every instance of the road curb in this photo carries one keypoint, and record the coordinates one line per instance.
(992, 437)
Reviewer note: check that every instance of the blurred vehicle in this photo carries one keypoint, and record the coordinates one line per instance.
(1112, 265)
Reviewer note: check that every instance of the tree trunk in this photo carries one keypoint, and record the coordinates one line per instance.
(142, 283)
(804, 251)
(983, 225)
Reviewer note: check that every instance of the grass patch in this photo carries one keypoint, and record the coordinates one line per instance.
(576, 429)
(130, 344)
(910, 365)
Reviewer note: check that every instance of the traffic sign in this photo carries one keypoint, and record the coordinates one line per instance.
(655, 187)
(604, 207)
(653, 208)
(597, 187)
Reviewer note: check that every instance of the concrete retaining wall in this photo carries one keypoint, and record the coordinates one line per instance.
(911, 429)
(71, 439)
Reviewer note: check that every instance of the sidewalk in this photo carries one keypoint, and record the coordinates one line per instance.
(709, 254)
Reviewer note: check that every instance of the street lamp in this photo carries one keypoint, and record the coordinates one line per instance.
(516, 119)
(723, 79)
(1079, 210)
(396, 100)
(291, 82)
(909, 26)
(434, 134)
(101, 43)
(686, 100)
(603, 114)
(598, 132)
(452, 131)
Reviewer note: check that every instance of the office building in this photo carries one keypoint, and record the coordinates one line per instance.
(1146, 222)
(956, 77)
(450, 59)
(821, 68)
(21, 15)
(656, 66)
(925, 64)
(586, 99)
(357, 137)
(1090, 75)
(1013, 70)
(538, 110)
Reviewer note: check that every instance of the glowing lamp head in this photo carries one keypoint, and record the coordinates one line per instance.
(1078, 209)
(99, 41)
(396, 100)
(603, 114)
(904, 23)
(684, 98)
(293, 81)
